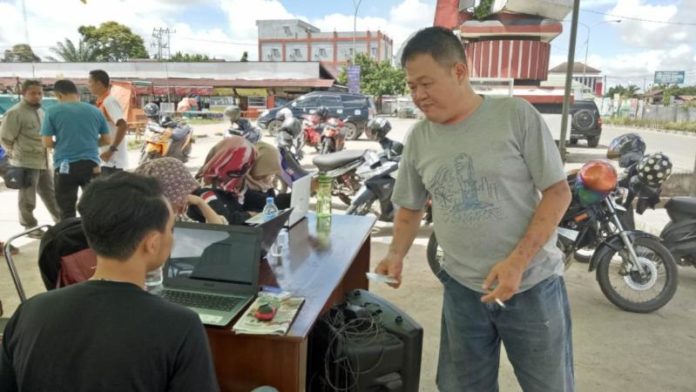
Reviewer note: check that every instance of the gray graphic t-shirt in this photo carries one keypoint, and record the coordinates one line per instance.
(485, 175)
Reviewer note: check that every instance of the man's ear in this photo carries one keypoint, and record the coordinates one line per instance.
(461, 72)
(151, 243)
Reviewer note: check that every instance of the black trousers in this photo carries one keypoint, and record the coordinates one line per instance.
(67, 185)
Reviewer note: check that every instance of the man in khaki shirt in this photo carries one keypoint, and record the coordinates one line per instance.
(20, 136)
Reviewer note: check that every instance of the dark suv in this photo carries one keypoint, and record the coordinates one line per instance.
(587, 122)
(354, 109)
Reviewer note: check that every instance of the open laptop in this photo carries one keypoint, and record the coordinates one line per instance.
(213, 270)
(299, 199)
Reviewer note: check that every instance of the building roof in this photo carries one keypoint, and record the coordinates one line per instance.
(578, 68)
(214, 74)
(299, 22)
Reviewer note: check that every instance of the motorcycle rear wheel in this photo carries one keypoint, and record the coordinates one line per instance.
(613, 264)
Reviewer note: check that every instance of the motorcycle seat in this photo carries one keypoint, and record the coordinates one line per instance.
(681, 207)
(335, 160)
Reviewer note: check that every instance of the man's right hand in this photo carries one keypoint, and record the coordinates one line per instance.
(391, 266)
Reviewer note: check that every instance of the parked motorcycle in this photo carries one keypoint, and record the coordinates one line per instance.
(290, 142)
(634, 270)
(342, 168)
(378, 173)
(311, 130)
(166, 138)
(333, 136)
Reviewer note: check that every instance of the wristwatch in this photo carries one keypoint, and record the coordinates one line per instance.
(112, 149)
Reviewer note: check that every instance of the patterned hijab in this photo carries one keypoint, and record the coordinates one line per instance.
(227, 165)
(176, 180)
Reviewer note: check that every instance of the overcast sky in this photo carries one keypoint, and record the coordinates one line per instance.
(628, 52)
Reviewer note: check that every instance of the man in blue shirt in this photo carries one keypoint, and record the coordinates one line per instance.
(75, 130)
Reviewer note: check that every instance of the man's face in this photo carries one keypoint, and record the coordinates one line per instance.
(95, 87)
(435, 89)
(33, 95)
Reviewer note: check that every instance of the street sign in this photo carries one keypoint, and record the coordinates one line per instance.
(353, 78)
(669, 77)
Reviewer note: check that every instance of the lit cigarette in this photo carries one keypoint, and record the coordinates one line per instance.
(502, 305)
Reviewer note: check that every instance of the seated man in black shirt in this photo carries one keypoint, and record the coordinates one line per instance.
(108, 334)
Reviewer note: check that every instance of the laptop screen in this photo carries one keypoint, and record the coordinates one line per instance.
(203, 253)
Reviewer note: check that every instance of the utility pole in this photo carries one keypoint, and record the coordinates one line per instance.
(693, 181)
(356, 6)
(569, 79)
(161, 42)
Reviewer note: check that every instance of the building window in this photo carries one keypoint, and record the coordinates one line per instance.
(374, 52)
(297, 53)
(275, 52)
(287, 30)
(322, 52)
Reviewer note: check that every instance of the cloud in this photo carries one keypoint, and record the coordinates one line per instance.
(404, 19)
(652, 35)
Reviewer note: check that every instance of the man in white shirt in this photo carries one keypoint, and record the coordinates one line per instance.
(114, 157)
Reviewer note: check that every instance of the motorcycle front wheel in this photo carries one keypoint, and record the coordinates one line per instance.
(641, 291)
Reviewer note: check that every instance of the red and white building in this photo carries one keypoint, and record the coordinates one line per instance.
(293, 40)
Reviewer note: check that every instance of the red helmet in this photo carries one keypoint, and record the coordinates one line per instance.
(598, 175)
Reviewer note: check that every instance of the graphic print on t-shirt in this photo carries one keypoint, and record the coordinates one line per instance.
(464, 196)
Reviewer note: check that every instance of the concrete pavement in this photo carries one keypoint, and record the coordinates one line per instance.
(614, 350)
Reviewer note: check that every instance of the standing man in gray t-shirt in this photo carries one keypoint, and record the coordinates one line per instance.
(498, 190)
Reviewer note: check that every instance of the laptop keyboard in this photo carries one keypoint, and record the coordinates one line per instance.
(202, 301)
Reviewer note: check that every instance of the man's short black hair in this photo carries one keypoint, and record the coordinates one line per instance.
(438, 42)
(100, 76)
(65, 86)
(119, 210)
(29, 83)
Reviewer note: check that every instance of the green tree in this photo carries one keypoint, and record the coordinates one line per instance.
(245, 57)
(20, 53)
(189, 58)
(68, 52)
(624, 91)
(114, 42)
(377, 78)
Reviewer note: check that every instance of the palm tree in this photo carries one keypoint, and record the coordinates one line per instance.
(68, 52)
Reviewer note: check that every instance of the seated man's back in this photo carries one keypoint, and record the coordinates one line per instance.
(105, 336)
(109, 334)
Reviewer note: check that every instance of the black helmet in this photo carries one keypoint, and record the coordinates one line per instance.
(323, 111)
(654, 169)
(292, 126)
(629, 148)
(233, 113)
(151, 110)
(167, 122)
(378, 128)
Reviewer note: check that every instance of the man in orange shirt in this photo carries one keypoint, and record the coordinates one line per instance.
(114, 157)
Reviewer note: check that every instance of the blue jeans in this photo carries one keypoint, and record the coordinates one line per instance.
(534, 326)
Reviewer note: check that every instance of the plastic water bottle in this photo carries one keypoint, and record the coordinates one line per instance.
(270, 211)
(281, 244)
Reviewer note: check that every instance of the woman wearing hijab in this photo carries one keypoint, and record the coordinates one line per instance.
(260, 179)
(177, 185)
(224, 178)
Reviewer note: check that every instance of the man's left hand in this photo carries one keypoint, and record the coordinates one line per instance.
(508, 275)
(106, 156)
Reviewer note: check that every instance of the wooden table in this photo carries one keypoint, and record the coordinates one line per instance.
(322, 273)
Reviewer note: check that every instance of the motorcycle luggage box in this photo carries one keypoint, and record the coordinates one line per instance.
(335, 160)
(679, 208)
